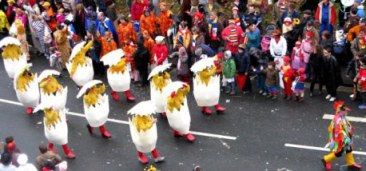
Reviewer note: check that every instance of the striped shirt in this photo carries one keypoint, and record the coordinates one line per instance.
(38, 25)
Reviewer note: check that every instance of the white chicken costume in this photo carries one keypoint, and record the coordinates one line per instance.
(177, 110)
(143, 131)
(159, 79)
(26, 88)
(55, 127)
(118, 76)
(12, 55)
(96, 106)
(79, 66)
(206, 85)
(52, 93)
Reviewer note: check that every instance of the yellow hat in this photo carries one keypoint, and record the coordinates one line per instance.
(46, 4)
(11, 1)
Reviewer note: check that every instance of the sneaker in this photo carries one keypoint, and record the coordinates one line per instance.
(362, 107)
(311, 94)
(328, 97)
(352, 96)
(264, 94)
(332, 99)
(260, 91)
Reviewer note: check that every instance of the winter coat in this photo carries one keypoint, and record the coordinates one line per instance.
(242, 62)
(141, 57)
(332, 13)
(229, 68)
(357, 47)
(161, 53)
(278, 49)
(137, 9)
(49, 155)
(332, 71)
(272, 79)
(353, 33)
(232, 45)
(254, 38)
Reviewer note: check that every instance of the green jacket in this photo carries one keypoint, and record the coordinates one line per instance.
(229, 68)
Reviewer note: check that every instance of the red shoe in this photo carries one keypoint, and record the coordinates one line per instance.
(206, 111)
(29, 110)
(355, 167)
(142, 158)
(114, 95)
(104, 132)
(190, 137)
(67, 151)
(219, 108)
(157, 157)
(327, 165)
(129, 97)
(177, 134)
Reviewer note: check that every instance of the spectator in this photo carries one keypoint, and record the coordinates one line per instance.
(278, 47)
(360, 9)
(22, 37)
(183, 37)
(49, 16)
(200, 23)
(105, 24)
(137, 9)
(242, 63)
(125, 31)
(251, 17)
(327, 40)
(148, 22)
(352, 21)
(90, 18)
(10, 11)
(212, 6)
(24, 165)
(229, 72)
(95, 51)
(141, 58)
(233, 36)
(5, 164)
(60, 17)
(198, 39)
(307, 16)
(360, 79)
(326, 15)
(308, 46)
(279, 8)
(333, 75)
(46, 155)
(287, 72)
(354, 31)
(290, 13)
(160, 51)
(20, 15)
(310, 27)
(299, 88)
(316, 70)
(79, 22)
(214, 28)
(235, 16)
(254, 36)
(272, 81)
(183, 65)
(297, 57)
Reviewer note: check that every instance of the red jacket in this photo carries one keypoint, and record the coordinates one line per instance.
(362, 78)
(137, 9)
(160, 53)
(332, 13)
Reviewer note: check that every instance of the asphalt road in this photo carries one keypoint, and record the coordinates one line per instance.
(260, 127)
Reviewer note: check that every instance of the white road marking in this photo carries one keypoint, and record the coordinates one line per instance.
(127, 123)
(306, 147)
(350, 118)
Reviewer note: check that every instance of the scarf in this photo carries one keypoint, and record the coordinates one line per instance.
(233, 36)
(212, 29)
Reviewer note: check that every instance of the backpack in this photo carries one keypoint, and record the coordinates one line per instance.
(265, 42)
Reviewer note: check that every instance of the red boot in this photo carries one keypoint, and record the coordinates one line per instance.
(157, 157)
(327, 165)
(177, 134)
(90, 129)
(29, 110)
(142, 158)
(128, 96)
(67, 151)
(104, 132)
(206, 111)
(114, 95)
(190, 137)
(50, 147)
(219, 108)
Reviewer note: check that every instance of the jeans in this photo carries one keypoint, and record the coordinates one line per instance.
(261, 82)
(325, 26)
(231, 87)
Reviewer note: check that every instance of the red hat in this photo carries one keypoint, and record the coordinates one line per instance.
(301, 70)
(310, 34)
(286, 59)
(58, 53)
(219, 55)
(340, 106)
(198, 15)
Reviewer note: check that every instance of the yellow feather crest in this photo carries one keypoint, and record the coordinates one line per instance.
(23, 80)
(142, 123)
(206, 74)
(51, 117)
(12, 52)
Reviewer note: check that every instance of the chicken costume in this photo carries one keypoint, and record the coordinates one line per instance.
(206, 85)
(159, 80)
(26, 88)
(177, 110)
(118, 76)
(79, 66)
(143, 131)
(12, 55)
(55, 127)
(340, 138)
(51, 90)
(96, 106)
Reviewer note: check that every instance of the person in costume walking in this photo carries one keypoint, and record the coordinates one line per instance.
(340, 138)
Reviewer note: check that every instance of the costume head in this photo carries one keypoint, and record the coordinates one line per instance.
(142, 116)
(340, 107)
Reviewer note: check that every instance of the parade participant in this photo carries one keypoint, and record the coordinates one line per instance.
(125, 31)
(164, 20)
(340, 138)
(360, 80)
(4, 24)
(12, 55)
(287, 72)
(80, 66)
(148, 22)
(129, 49)
(26, 87)
(149, 45)
(160, 51)
(96, 106)
(62, 43)
(10, 10)
(49, 16)
(118, 77)
(183, 37)
(22, 37)
(51, 90)
(206, 85)
(141, 59)
(144, 132)
(299, 88)
(159, 79)
(55, 127)
(233, 36)
(177, 110)
(108, 44)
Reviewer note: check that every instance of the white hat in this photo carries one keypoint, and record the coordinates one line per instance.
(159, 39)
(22, 159)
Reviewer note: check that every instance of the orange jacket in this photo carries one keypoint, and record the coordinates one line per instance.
(149, 45)
(165, 21)
(107, 46)
(353, 32)
(126, 32)
(148, 23)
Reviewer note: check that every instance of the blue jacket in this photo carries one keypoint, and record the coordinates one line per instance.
(107, 26)
(254, 39)
(242, 61)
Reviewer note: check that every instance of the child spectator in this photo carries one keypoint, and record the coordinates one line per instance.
(182, 66)
(360, 79)
(229, 71)
(287, 72)
(5, 163)
(299, 88)
(242, 62)
(297, 57)
(272, 80)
